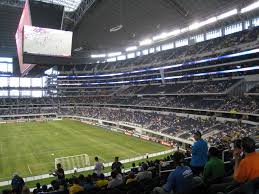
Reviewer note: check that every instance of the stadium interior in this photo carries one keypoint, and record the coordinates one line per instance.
(154, 71)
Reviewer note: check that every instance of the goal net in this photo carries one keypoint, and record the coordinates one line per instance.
(73, 162)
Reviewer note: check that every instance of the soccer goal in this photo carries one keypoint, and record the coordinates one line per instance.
(73, 162)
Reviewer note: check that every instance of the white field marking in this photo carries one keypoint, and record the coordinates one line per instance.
(29, 168)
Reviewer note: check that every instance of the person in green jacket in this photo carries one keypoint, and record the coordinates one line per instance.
(214, 169)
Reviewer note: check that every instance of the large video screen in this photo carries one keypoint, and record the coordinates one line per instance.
(25, 20)
(45, 41)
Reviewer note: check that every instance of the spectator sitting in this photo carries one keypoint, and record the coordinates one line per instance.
(134, 169)
(116, 165)
(98, 167)
(144, 173)
(102, 182)
(75, 188)
(38, 189)
(88, 185)
(131, 178)
(179, 180)
(116, 180)
(199, 154)
(44, 188)
(248, 168)
(214, 168)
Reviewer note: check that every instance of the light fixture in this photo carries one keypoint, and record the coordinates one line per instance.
(131, 48)
(98, 56)
(250, 7)
(227, 14)
(145, 42)
(114, 54)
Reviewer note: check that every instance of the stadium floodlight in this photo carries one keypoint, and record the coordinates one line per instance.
(174, 32)
(160, 36)
(250, 7)
(208, 21)
(145, 42)
(227, 14)
(114, 54)
(131, 48)
(194, 26)
(98, 56)
(184, 29)
(197, 25)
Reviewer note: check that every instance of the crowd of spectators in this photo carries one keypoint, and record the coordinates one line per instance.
(204, 172)
(218, 46)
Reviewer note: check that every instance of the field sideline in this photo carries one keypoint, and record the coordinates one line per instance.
(28, 148)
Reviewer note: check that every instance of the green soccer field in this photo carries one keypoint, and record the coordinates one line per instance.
(31, 148)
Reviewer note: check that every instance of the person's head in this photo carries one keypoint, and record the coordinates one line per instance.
(59, 166)
(133, 165)
(96, 159)
(38, 185)
(131, 175)
(144, 167)
(44, 188)
(178, 158)
(102, 177)
(197, 135)
(113, 174)
(76, 181)
(213, 152)
(116, 159)
(81, 177)
(248, 145)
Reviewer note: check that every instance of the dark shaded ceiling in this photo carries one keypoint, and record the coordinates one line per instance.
(141, 19)
(9, 20)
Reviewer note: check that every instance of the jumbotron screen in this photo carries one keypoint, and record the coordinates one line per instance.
(25, 20)
(46, 41)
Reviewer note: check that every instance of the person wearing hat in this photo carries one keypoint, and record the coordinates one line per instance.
(199, 154)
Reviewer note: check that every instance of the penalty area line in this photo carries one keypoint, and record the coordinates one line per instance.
(29, 168)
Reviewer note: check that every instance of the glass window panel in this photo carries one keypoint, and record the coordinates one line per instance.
(138, 53)
(14, 92)
(122, 57)
(255, 22)
(26, 93)
(3, 93)
(233, 28)
(36, 82)
(247, 24)
(14, 82)
(3, 81)
(151, 50)
(182, 42)
(167, 46)
(25, 82)
(36, 93)
(131, 55)
(145, 52)
(3, 67)
(213, 34)
(112, 59)
(158, 48)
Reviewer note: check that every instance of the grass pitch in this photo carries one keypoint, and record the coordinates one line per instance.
(31, 148)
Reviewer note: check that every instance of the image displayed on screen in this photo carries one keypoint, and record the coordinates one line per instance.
(25, 20)
(45, 41)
